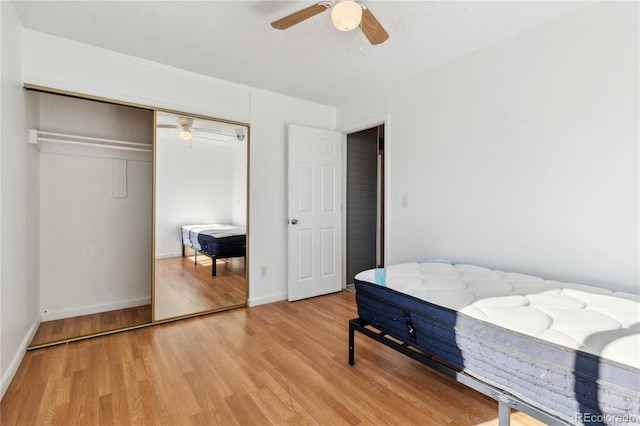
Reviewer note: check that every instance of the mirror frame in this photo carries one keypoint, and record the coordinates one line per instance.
(154, 109)
(153, 223)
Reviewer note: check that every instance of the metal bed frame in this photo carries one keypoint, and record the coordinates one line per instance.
(213, 258)
(505, 400)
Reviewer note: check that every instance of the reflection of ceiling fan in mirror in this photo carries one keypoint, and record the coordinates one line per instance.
(346, 15)
(187, 131)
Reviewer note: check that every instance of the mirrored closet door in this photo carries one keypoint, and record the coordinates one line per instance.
(200, 215)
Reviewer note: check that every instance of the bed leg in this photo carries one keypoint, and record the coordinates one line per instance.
(213, 266)
(183, 250)
(351, 343)
(504, 412)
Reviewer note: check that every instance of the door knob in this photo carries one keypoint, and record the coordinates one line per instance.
(294, 221)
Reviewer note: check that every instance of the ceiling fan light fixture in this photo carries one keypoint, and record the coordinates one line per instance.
(186, 134)
(346, 15)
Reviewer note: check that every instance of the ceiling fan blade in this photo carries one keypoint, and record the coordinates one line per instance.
(166, 126)
(371, 28)
(299, 16)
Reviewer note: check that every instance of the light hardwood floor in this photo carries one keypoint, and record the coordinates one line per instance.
(182, 288)
(281, 363)
(67, 328)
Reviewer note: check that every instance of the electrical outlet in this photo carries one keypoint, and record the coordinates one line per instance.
(263, 271)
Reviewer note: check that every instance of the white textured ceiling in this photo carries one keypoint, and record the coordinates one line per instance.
(233, 40)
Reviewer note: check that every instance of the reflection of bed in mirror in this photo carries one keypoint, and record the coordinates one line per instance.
(201, 178)
(218, 241)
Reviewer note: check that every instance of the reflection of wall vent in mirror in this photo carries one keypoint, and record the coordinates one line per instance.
(188, 128)
(200, 207)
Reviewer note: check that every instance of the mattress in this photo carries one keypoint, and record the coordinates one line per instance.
(569, 349)
(220, 240)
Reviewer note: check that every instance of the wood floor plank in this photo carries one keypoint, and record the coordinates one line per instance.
(281, 363)
(275, 410)
(67, 328)
(182, 287)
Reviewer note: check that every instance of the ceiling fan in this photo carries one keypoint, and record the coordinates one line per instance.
(188, 131)
(346, 16)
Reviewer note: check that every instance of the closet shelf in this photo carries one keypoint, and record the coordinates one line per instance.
(38, 137)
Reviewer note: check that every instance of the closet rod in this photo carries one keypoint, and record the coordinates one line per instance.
(38, 136)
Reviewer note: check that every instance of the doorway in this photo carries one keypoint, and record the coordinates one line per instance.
(364, 201)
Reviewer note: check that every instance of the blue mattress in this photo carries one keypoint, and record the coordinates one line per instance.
(444, 311)
(217, 240)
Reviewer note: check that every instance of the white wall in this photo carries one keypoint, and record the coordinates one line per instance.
(239, 188)
(19, 258)
(193, 185)
(67, 65)
(95, 249)
(523, 156)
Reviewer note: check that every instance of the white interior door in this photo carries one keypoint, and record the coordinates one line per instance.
(315, 205)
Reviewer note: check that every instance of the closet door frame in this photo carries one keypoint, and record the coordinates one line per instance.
(154, 110)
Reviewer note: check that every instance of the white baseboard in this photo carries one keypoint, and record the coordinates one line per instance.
(168, 255)
(256, 301)
(17, 359)
(95, 309)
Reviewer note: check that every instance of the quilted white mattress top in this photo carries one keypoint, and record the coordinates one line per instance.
(591, 319)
